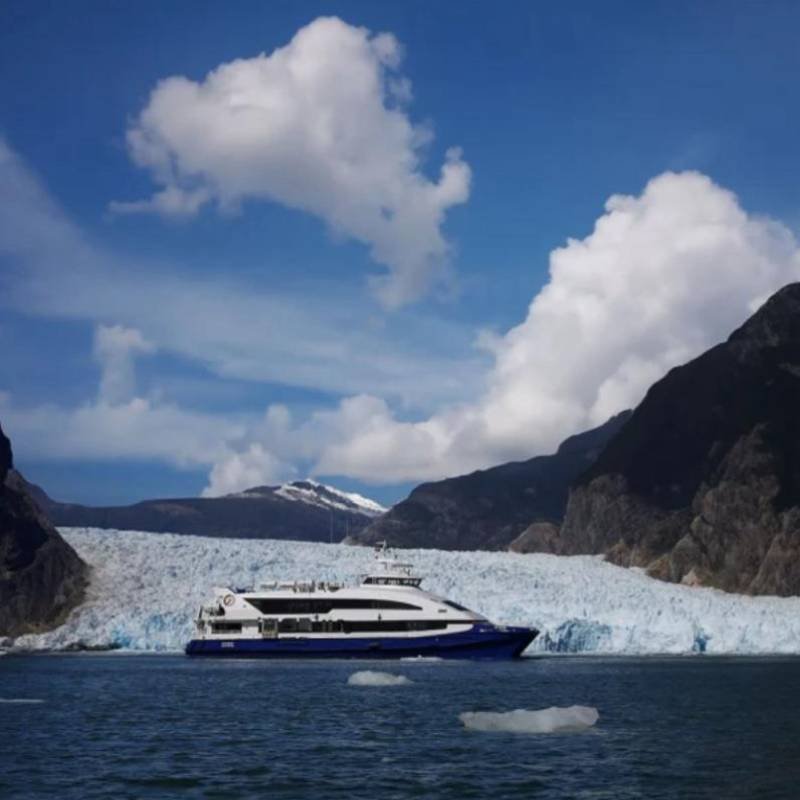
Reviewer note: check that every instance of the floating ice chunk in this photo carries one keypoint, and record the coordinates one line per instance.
(421, 659)
(546, 720)
(20, 700)
(369, 677)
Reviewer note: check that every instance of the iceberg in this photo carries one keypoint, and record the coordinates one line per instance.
(547, 720)
(369, 677)
(146, 589)
(20, 700)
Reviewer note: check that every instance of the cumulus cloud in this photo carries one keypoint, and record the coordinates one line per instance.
(114, 348)
(318, 125)
(318, 337)
(121, 425)
(663, 276)
(238, 471)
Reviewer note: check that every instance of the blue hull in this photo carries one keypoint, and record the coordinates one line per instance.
(481, 642)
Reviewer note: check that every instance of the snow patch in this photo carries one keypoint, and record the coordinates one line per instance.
(319, 494)
(146, 589)
(547, 720)
(369, 677)
(316, 494)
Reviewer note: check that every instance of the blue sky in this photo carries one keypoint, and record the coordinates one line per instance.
(555, 109)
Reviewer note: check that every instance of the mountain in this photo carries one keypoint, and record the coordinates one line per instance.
(488, 509)
(303, 510)
(41, 576)
(702, 483)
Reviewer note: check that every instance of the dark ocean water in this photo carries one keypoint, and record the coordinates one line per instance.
(167, 726)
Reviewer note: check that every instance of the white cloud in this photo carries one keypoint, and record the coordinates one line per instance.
(238, 471)
(321, 337)
(318, 125)
(114, 348)
(662, 277)
(138, 429)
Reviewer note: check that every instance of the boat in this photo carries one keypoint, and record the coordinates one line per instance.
(386, 615)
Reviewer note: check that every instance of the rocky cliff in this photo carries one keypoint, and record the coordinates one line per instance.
(702, 483)
(487, 510)
(41, 576)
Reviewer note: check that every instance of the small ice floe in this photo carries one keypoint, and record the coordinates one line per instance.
(369, 677)
(421, 659)
(19, 700)
(547, 720)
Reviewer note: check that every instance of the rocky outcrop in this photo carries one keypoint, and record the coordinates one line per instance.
(487, 510)
(41, 577)
(302, 510)
(702, 483)
(541, 537)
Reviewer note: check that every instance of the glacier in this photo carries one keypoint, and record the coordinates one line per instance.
(146, 589)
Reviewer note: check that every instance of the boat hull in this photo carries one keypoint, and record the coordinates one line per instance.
(481, 642)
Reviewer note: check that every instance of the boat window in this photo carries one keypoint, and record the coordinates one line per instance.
(299, 626)
(226, 627)
(326, 626)
(378, 626)
(381, 581)
(305, 605)
(455, 605)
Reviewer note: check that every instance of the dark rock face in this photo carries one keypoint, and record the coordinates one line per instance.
(302, 510)
(486, 510)
(702, 484)
(541, 537)
(41, 576)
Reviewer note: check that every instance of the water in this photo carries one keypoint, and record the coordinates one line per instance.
(170, 727)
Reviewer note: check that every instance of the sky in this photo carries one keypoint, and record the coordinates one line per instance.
(371, 243)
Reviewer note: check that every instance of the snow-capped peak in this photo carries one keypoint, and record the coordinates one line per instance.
(318, 494)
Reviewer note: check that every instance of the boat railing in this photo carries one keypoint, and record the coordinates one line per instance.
(302, 586)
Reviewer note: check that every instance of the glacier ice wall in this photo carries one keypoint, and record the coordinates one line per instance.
(147, 587)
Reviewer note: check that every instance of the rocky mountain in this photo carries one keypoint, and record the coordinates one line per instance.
(303, 510)
(702, 483)
(41, 576)
(488, 509)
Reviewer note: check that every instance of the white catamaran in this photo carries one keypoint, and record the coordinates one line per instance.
(387, 615)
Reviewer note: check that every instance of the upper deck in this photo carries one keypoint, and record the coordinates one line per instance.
(390, 572)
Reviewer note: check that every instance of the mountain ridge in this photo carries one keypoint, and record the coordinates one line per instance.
(488, 509)
(702, 483)
(303, 510)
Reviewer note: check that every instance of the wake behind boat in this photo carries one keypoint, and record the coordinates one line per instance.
(387, 615)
